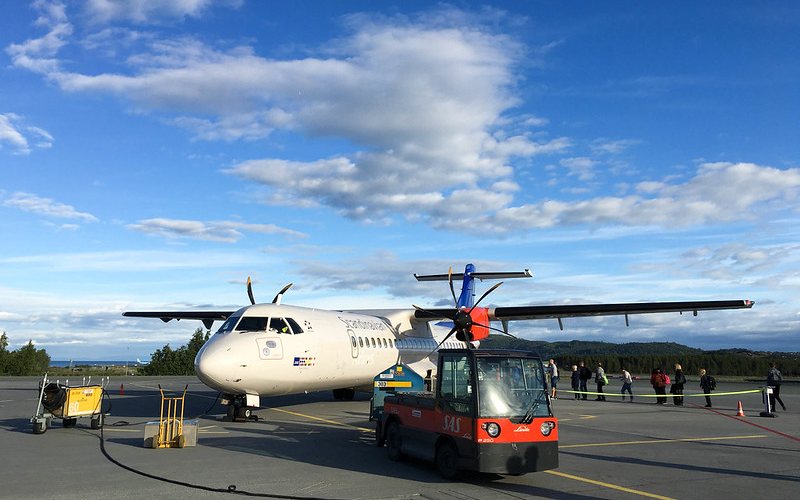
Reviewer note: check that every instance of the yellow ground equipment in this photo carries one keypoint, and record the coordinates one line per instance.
(57, 400)
(170, 424)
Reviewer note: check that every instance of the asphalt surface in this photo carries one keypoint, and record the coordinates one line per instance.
(309, 446)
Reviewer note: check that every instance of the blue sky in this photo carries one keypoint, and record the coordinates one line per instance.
(156, 153)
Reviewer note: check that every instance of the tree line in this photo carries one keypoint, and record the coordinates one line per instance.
(180, 361)
(642, 357)
(27, 360)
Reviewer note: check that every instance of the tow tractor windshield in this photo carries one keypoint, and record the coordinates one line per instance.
(512, 388)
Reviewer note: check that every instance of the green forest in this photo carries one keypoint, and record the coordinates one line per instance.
(642, 357)
(27, 360)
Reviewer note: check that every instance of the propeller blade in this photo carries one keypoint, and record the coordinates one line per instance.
(449, 334)
(452, 290)
(487, 292)
(250, 291)
(504, 332)
(279, 296)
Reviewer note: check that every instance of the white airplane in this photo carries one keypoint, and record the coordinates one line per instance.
(276, 349)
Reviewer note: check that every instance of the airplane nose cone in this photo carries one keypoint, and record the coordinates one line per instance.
(209, 368)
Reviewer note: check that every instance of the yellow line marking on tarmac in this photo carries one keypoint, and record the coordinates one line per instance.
(340, 424)
(651, 441)
(607, 485)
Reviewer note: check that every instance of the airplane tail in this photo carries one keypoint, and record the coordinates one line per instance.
(467, 297)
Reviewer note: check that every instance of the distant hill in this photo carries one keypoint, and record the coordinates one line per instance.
(589, 348)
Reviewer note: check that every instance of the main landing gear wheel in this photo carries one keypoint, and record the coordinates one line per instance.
(344, 394)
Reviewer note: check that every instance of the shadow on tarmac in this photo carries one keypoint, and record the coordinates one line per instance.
(693, 468)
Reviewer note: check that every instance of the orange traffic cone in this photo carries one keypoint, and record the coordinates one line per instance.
(740, 410)
(122, 390)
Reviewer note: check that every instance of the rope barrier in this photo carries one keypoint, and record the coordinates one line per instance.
(639, 395)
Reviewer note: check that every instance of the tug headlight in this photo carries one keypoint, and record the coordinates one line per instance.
(492, 429)
(547, 428)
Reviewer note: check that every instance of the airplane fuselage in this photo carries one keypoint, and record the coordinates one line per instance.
(270, 350)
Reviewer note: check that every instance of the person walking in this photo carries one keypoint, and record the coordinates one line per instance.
(601, 380)
(552, 369)
(677, 386)
(585, 375)
(627, 381)
(708, 384)
(575, 381)
(774, 379)
(659, 383)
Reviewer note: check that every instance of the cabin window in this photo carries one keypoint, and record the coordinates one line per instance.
(360, 341)
(383, 341)
(279, 325)
(353, 340)
(295, 326)
(372, 340)
(252, 324)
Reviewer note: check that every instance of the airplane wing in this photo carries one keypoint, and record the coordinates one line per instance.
(207, 317)
(580, 310)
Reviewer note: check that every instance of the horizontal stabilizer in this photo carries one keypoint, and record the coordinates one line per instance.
(481, 276)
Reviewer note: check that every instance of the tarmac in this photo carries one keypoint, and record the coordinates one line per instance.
(310, 446)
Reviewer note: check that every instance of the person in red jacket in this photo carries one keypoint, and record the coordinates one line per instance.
(659, 383)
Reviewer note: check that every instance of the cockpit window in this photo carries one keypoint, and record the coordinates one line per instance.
(229, 323)
(252, 324)
(279, 325)
(295, 327)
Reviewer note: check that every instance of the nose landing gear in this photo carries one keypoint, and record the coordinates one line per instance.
(238, 409)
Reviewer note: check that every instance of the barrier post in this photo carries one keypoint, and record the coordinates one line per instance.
(767, 406)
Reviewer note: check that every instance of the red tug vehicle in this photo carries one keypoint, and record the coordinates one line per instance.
(489, 412)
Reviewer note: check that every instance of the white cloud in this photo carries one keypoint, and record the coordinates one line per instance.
(147, 11)
(45, 206)
(223, 231)
(19, 136)
(39, 54)
(719, 193)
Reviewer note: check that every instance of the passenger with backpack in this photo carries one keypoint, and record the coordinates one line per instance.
(677, 386)
(600, 379)
(659, 383)
(774, 379)
(708, 384)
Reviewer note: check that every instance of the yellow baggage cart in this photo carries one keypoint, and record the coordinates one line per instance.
(69, 403)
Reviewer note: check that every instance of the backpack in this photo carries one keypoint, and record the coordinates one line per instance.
(666, 379)
(712, 382)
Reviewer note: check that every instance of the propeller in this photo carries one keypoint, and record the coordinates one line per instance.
(463, 318)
